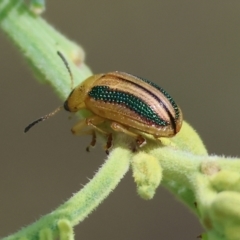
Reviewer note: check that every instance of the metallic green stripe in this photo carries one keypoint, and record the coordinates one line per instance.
(170, 99)
(104, 93)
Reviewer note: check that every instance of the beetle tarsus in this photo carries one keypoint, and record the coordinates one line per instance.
(141, 141)
(109, 143)
(133, 147)
(93, 141)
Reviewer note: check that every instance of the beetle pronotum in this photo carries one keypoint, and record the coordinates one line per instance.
(127, 102)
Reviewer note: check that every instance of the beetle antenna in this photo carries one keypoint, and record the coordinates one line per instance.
(42, 119)
(67, 66)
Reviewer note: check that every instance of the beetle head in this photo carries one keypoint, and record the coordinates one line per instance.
(77, 97)
(75, 100)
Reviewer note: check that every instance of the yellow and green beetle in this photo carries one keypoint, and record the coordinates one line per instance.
(127, 102)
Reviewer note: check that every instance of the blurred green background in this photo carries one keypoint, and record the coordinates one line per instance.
(190, 48)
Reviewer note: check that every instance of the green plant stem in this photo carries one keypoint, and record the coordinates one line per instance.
(39, 42)
(85, 201)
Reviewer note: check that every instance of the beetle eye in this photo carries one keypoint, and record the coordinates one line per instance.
(65, 105)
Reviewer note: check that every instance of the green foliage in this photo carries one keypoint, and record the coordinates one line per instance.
(37, 6)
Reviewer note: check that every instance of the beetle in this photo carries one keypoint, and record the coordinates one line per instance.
(130, 105)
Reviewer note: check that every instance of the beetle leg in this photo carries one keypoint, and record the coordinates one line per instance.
(109, 143)
(78, 129)
(140, 140)
(93, 142)
(91, 121)
(94, 121)
(97, 120)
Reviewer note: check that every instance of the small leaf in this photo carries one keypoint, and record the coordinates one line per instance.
(147, 174)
